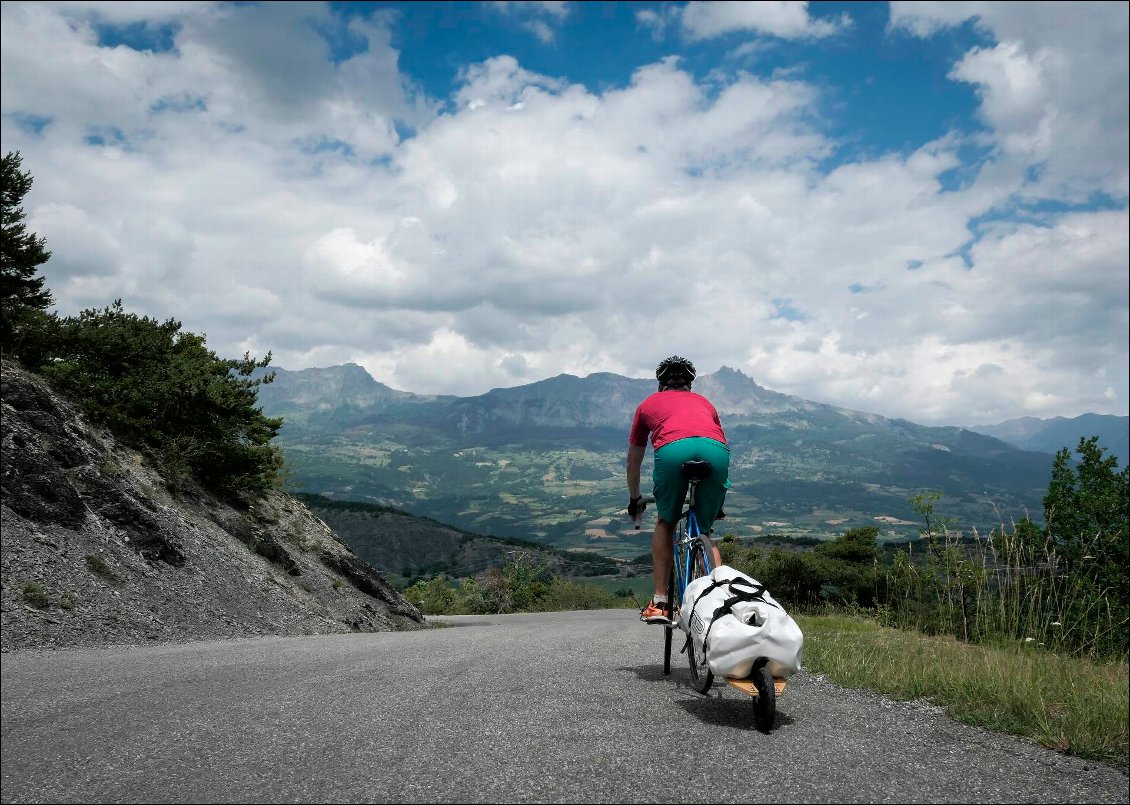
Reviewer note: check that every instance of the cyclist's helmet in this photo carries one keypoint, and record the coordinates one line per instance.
(675, 372)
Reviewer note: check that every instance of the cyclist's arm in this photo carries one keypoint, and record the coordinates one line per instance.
(635, 461)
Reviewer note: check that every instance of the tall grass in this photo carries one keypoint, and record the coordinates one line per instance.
(1006, 587)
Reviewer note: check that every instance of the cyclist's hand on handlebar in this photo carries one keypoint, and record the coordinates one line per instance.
(636, 507)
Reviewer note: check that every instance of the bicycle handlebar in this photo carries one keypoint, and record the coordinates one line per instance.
(645, 500)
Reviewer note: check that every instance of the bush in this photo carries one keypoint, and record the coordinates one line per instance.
(1087, 509)
(794, 579)
(35, 595)
(563, 594)
(162, 390)
(98, 565)
(848, 568)
(432, 597)
(522, 584)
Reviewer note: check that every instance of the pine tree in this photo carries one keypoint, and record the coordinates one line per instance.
(22, 295)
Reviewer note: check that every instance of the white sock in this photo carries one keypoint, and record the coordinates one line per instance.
(659, 599)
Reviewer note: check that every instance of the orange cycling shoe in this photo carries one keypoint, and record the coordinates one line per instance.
(654, 613)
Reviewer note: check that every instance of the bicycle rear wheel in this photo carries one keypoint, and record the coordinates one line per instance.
(765, 705)
(702, 678)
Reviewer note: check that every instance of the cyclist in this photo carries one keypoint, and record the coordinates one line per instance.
(683, 425)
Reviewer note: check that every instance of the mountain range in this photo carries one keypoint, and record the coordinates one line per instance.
(1052, 435)
(545, 461)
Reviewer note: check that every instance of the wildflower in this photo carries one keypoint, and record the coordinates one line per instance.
(1029, 640)
(1056, 623)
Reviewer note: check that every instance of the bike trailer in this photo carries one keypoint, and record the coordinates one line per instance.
(734, 622)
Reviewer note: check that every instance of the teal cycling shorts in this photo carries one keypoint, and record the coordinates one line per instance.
(671, 486)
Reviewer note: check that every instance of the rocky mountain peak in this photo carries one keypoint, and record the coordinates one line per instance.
(729, 371)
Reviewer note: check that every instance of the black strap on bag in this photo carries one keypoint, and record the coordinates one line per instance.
(756, 593)
(752, 592)
(707, 590)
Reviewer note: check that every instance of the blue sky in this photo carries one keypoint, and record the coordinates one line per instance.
(891, 91)
(913, 209)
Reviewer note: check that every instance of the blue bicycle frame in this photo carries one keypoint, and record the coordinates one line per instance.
(687, 536)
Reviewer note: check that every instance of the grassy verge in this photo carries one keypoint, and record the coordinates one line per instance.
(1076, 706)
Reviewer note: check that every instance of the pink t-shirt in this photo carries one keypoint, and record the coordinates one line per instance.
(672, 415)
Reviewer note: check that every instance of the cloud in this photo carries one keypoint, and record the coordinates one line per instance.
(133, 11)
(500, 80)
(536, 17)
(1052, 88)
(322, 206)
(343, 269)
(708, 19)
(85, 248)
(787, 20)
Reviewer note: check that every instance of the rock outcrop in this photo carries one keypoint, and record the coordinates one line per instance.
(98, 549)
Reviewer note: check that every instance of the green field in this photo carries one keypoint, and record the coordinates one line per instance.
(575, 498)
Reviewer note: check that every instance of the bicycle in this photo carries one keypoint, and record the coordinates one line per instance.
(693, 558)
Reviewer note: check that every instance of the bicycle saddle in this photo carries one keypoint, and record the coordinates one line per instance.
(696, 469)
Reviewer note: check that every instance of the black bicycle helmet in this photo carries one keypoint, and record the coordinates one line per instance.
(674, 372)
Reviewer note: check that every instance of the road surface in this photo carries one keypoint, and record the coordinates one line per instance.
(554, 707)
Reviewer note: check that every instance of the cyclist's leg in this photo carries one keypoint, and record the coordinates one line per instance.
(670, 490)
(662, 548)
(661, 555)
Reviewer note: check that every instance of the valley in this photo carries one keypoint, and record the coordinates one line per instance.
(545, 462)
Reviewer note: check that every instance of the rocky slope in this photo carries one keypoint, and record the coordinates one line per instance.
(97, 549)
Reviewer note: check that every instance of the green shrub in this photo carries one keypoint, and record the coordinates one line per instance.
(162, 390)
(564, 594)
(527, 582)
(520, 585)
(35, 595)
(794, 579)
(98, 565)
(1087, 509)
(432, 597)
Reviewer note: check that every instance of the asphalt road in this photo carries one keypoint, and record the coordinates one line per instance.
(557, 707)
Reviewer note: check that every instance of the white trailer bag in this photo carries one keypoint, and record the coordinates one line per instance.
(734, 621)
